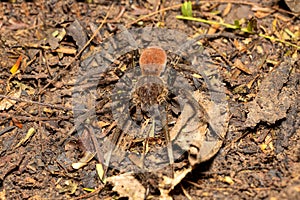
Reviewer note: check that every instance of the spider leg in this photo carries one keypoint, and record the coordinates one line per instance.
(163, 96)
(164, 120)
(117, 136)
(136, 102)
(146, 142)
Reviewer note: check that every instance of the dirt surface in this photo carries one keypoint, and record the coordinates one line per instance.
(51, 149)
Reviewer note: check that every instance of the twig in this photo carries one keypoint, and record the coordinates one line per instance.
(86, 196)
(185, 193)
(36, 119)
(153, 13)
(35, 102)
(7, 129)
(222, 55)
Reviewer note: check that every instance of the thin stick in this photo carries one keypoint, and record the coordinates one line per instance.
(35, 102)
(7, 129)
(153, 13)
(89, 195)
(32, 118)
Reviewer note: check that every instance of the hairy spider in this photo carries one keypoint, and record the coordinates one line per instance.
(151, 98)
(150, 89)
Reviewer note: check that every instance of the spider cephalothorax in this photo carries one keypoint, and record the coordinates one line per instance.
(153, 61)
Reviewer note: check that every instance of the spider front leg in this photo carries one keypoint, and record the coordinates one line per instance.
(138, 108)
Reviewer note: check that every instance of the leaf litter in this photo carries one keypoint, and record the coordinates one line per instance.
(255, 70)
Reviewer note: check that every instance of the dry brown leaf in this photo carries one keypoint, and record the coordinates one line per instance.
(190, 133)
(76, 31)
(218, 121)
(261, 14)
(6, 104)
(127, 186)
(167, 184)
(101, 172)
(183, 119)
(227, 9)
(102, 124)
(294, 5)
(238, 64)
(17, 123)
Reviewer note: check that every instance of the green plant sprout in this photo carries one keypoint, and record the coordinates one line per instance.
(236, 26)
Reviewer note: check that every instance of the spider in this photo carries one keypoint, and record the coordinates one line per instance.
(150, 89)
(150, 96)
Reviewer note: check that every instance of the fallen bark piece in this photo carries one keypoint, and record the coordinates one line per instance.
(273, 99)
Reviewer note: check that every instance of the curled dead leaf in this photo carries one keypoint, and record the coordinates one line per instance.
(87, 157)
(16, 66)
(167, 184)
(127, 186)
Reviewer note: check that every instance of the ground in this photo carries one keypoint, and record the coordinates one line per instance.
(49, 150)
